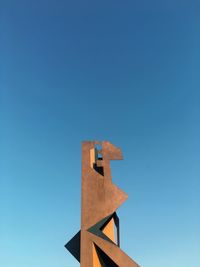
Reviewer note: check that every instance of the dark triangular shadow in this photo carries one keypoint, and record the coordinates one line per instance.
(104, 259)
(98, 227)
(73, 246)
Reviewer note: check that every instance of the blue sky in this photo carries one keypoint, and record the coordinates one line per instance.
(123, 71)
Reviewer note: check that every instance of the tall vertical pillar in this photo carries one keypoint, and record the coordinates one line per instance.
(98, 242)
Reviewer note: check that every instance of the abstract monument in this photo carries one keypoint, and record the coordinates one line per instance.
(97, 244)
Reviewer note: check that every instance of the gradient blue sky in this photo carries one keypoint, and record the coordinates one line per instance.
(123, 71)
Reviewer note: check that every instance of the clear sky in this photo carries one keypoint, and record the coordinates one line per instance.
(123, 71)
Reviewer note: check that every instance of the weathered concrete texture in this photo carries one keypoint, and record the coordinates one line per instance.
(99, 201)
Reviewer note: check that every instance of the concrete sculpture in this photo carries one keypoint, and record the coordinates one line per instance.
(97, 244)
